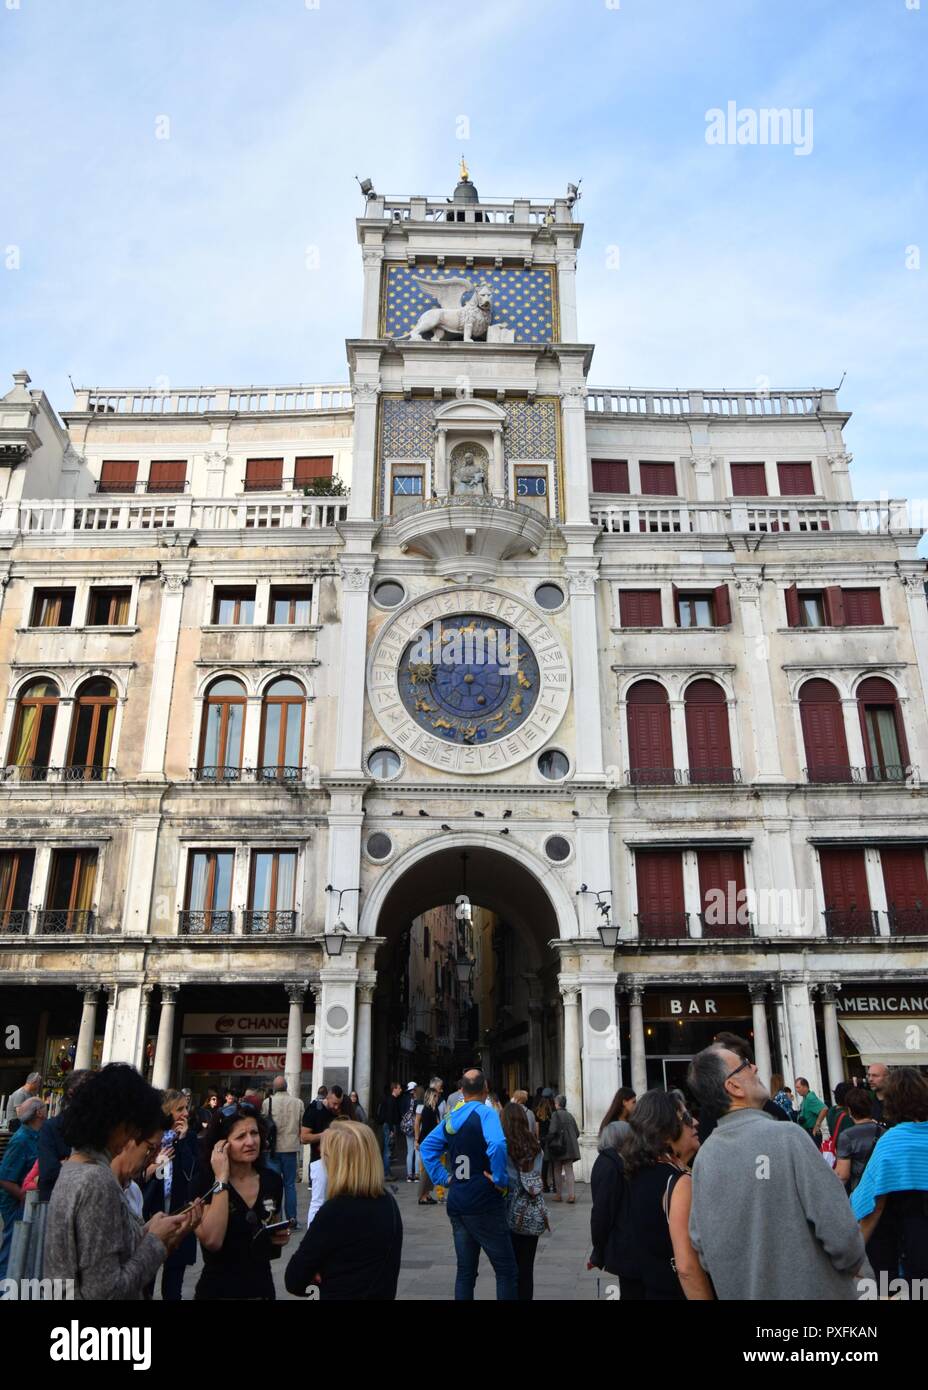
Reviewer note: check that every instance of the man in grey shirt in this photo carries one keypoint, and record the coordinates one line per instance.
(31, 1088)
(769, 1219)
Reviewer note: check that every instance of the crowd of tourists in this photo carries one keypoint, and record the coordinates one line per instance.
(734, 1191)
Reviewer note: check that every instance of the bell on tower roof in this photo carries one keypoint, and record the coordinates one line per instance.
(465, 191)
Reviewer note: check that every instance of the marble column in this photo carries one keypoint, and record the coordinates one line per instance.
(161, 1073)
(83, 1056)
(572, 1068)
(761, 1035)
(112, 994)
(141, 1036)
(833, 1056)
(362, 1046)
(637, 1046)
(294, 1060)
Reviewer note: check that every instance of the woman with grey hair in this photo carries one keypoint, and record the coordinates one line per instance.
(610, 1194)
(563, 1148)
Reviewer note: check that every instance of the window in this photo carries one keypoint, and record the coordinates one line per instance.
(68, 907)
(31, 744)
(92, 731)
(721, 892)
(291, 607)
(847, 896)
(610, 475)
(264, 475)
(52, 608)
(532, 485)
(659, 875)
(307, 471)
(707, 736)
(167, 475)
(549, 596)
(118, 475)
(712, 609)
(223, 732)
(209, 892)
(557, 848)
(108, 607)
(554, 765)
(658, 479)
(640, 607)
(884, 737)
(15, 883)
(906, 888)
(383, 764)
(271, 895)
(234, 607)
(795, 480)
(389, 593)
(407, 484)
(380, 846)
(823, 733)
(748, 480)
(833, 607)
(650, 747)
(805, 609)
(282, 731)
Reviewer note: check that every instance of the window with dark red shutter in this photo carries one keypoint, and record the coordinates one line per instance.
(650, 746)
(721, 605)
(748, 480)
(823, 732)
(610, 475)
(707, 737)
(118, 475)
(264, 475)
(658, 479)
(906, 888)
(640, 607)
(661, 913)
(883, 732)
(308, 470)
(793, 614)
(847, 897)
(167, 475)
(721, 891)
(834, 606)
(862, 607)
(795, 480)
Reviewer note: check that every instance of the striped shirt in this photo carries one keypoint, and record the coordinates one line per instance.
(899, 1163)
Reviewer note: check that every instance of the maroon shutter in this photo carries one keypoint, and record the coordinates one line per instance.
(676, 603)
(722, 606)
(823, 732)
(650, 757)
(167, 475)
(658, 479)
(659, 875)
(795, 479)
(707, 739)
(721, 871)
(793, 616)
(263, 475)
(906, 887)
(610, 475)
(748, 480)
(118, 475)
(307, 470)
(862, 606)
(834, 606)
(847, 897)
(640, 607)
(875, 690)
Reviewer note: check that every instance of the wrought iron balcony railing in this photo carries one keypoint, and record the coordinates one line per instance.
(279, 774)
(266, 776)
(681, 776)
(261, 922)
(15, 921)
(908, 921)
(841, 774)
(88, 772)
(211, 922)
(216, 775)
(64, 921)
(851, 921)
(720, 931)
(656, 926)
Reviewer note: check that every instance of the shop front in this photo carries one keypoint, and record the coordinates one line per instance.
(882, 1024)
(235, 1051)
(680, 1023)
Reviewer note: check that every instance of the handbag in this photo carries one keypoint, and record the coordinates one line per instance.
(528, 1215)
(557, 1144)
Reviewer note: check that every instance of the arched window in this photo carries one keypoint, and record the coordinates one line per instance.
(650, 747)
(823, 732)
(884, 736)
(31, 744)
(282, 716)
(223, 732)
(707, 737)
(92, 732)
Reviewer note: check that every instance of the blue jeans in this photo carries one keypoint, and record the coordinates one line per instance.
(9, 1225)
(285, 1164)
(487, 1231)
(410, 1155)
(387, 1149)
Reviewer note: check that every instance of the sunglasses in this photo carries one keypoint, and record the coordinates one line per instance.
(243, 1108)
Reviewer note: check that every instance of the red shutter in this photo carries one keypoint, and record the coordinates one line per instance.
(795, 479)
(906, 887)
(823, 732)
(748, 480)
(721, 871)
(834, 606)
(862, 606)
(167, 475)
(650, 756)
(118, 475)
(610, 475)
(660, 893)
(793, 616)
(876, 691)
(263, 475)
(306, 470)
(676, 603)
(847, 897)
(640, 607)
(707, 740)
(658, 479)
(722, 606)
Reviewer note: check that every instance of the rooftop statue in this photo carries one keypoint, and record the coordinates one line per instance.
(469, 321)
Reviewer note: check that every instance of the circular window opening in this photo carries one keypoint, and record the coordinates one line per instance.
(554, 765)
(337, 1017)
(379, 846)
(383, 763)
(389, 593)
(557, 848)
(549, 596)
(599, 1020)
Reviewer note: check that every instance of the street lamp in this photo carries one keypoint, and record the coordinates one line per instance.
(335, 938)
(608, 932)
(465, 968)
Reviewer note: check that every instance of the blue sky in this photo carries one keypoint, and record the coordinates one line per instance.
(185, 259)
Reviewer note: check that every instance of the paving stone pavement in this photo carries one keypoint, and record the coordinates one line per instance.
(428, 1266)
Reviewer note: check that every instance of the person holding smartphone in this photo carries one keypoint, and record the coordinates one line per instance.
(241, 1231)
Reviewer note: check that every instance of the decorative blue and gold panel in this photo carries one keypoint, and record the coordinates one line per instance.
(523, 300)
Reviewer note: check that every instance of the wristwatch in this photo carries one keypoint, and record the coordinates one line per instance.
(222, 1186)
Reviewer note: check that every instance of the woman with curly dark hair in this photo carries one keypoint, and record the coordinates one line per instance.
(246, 1199)
(525, 1205)
(656, 1258)
(893, 1191)
(92, 1237)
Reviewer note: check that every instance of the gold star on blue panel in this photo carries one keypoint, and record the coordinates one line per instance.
(522, 299)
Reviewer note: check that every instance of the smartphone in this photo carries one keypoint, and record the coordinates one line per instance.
(276, 1226)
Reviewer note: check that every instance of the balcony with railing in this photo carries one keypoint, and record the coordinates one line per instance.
(851, 921)
(133, 513)
(14, 922)
(837, 774)
(262, 922)
(682, 776)
(261, 776)
(211, 400)
(65, 921)
(663, 926)
(746, 517)
(663, 403)
(36, 772)
(908, 921)
(208, 922)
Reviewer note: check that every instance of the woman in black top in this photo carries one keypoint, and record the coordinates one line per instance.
(352, 1250)
(610, 1194)
(247, 1195)
(172, 1183)
(425, 1121)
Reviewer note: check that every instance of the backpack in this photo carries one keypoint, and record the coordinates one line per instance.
(527, 1214)
(408, 1121)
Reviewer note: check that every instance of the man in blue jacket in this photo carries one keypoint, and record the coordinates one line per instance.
(467, 1154)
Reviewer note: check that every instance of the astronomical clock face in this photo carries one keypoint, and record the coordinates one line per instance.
(469, 680)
